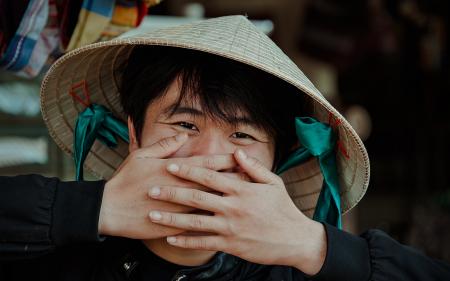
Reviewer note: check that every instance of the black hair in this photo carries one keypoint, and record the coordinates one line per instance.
(223, 88)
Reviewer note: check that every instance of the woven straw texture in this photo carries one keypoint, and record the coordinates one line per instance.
(100, 65)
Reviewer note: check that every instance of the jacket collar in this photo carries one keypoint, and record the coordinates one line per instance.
(220, 268)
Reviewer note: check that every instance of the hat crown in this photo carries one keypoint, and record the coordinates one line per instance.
(235, 37)
(100, 67)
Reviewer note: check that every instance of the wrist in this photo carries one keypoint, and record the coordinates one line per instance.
(103, 222)
(310, 253)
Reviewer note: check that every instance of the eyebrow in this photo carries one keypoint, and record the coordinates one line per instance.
(175, 110)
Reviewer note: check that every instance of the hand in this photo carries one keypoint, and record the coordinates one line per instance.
(126, 204)
(256, 221)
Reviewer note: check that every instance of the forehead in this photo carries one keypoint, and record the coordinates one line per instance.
(170, 103)
(227, 101)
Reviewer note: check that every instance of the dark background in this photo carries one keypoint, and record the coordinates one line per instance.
(391, 60)
(384, 65)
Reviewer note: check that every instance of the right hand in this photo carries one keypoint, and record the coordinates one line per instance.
(126, 202)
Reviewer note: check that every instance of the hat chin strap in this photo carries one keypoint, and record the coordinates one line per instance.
(318, 140)
(95, 122)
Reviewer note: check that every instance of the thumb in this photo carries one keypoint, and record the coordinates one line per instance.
(163, 148)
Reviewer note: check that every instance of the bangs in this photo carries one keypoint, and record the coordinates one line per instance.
(224, 97)
(227, 91)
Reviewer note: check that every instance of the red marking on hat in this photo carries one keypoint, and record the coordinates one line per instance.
(342, 149)
(334, 123)
(76, 88)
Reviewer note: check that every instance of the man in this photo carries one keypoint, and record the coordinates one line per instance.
(237, 220)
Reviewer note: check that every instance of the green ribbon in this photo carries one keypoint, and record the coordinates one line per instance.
(318, 140)
(95, 122)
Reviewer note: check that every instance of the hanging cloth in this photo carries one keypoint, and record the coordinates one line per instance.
(48, 41)
(94, 17)
(11, 14)
(318, 140)
(20, 48)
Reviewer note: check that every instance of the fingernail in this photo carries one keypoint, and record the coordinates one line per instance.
(171, 239)
(155, 215)
(156, 191)
(173, 168)
(180, 137)
(242, 154)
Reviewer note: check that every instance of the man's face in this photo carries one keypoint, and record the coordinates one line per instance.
(206, 135)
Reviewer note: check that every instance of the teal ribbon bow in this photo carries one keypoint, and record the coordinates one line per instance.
(318, 140)
(95, 122)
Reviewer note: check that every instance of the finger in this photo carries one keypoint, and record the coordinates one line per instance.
(205, 177)
(192, 222)
(189, 197)
(255, 169)
(239, 176)
(212, 162)
(209, 243)
(162, 148)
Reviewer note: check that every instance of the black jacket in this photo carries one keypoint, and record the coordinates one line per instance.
(48, 231)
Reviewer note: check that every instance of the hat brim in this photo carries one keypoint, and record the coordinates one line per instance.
(98, 68)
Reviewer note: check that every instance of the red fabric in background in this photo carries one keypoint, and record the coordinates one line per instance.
(142, 12)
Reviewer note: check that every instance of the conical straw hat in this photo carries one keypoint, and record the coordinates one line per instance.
(98, 68)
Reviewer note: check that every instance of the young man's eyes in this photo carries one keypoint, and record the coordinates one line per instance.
(240, 135)
(187, 125)
(235, 135)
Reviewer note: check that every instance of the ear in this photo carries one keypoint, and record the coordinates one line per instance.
(134, 145)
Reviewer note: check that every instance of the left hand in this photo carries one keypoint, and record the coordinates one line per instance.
(256, 221)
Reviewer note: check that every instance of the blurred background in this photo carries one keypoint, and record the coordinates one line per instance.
(383, 64)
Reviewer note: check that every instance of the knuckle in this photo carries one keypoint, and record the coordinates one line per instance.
(210, 178)
(258, 165)
(253, 161)
(188, 243)
(209, 162)
(203, 244)
(244, 177)
(235, 189)
(171, 219)
(199, 244)
(187, 171)
(234, 209)
(183, 242)
(196, 223)
(171, 194)
(232, 229)
(227, 228)
(198, 196)
(164, 144)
